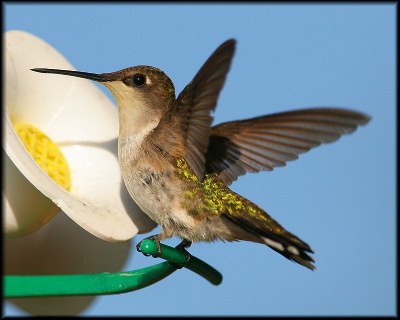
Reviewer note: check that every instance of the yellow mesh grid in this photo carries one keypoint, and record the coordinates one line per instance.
(46, 153)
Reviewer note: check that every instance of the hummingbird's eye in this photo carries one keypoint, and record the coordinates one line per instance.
(139, 80)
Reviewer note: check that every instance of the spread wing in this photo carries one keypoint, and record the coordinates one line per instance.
(266, 142)
(191, 112)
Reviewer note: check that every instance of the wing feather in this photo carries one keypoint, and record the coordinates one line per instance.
(266, 142)
(191, 111)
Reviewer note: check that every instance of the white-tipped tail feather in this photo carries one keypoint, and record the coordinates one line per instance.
(291, 251)
(274, 236)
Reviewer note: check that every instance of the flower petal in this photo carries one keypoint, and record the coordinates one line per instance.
(83, 122)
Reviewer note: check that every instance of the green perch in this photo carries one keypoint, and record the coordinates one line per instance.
(16, 286)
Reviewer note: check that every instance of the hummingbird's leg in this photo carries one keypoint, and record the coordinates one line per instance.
(156, 239)
(183, 245)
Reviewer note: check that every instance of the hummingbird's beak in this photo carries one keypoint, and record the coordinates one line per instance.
(79, 74)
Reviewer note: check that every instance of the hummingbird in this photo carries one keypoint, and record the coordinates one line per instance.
(178, 167)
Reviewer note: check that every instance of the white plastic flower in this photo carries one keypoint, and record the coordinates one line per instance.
(70, 128)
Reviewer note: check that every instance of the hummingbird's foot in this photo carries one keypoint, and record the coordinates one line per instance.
(156, 240)
(182, 247)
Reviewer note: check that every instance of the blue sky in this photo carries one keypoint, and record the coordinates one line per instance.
(339, 198)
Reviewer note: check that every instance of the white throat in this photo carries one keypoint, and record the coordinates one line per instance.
(132, 132)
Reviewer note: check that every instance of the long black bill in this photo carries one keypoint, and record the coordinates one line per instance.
(79, 74)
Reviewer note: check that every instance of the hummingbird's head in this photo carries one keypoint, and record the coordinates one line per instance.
(142, 93)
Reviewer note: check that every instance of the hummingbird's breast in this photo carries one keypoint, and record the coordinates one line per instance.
(151, 180)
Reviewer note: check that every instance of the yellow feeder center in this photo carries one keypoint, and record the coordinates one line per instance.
(46, 153)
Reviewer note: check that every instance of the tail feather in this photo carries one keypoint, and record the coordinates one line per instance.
(291, 252)
(282, 241)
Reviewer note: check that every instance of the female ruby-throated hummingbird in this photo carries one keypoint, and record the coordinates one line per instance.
(177, 167)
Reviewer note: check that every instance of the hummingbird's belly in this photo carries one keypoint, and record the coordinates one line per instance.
(162, 198)
(159, 196)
